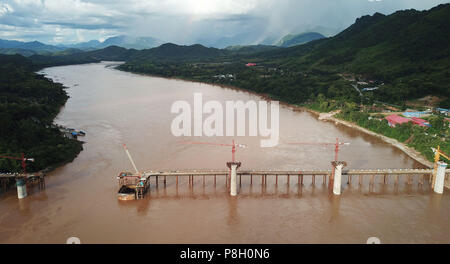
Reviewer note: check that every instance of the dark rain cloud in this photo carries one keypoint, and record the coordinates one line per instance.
(212, 22)
(85, 26)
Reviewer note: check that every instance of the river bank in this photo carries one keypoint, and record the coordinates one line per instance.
(115, 107)
(414, 154)
(30, 103)
(417, 156)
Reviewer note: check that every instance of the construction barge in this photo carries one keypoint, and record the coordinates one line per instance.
(132, 186)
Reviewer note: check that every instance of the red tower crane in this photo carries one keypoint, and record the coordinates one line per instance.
(233, 146)
(336, 151)
(336, 145)
(22, 159)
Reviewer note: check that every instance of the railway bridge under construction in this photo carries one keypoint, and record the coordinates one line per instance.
(136, 185)
(139, 185)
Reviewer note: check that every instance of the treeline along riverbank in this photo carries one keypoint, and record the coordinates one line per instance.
(392, 59)
(398, 57)
(29, 102)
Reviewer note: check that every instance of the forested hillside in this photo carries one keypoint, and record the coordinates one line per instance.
(406, 54)
(298, 39)
(28, 104)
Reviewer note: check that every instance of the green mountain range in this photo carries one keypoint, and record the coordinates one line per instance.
(298, 39)
(10, 47)
(407, 52)
(166, 52)
(248, 49)
(406, 55)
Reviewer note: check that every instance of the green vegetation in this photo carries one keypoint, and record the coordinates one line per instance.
(13, 51)
(406, 55)
(298, 39)
(420, 138)
(323, 105)
(28, 104)
(249, 49)
(445, 104)
(11, 47)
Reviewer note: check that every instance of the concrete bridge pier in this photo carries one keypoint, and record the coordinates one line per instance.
(337, 165)
(233, 166)
(440, 177)
(21, 188)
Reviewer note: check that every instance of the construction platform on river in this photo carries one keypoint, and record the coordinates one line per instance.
(135, 185)
(141, 183)
(22, 181)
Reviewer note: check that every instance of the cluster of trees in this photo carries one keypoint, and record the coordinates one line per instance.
(420, 138)
(407, 51)
(283, 83)
(28, 104)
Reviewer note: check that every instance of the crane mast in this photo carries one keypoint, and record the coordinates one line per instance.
(131, 159)
(336, 145)
(233, 146)
(437, 157)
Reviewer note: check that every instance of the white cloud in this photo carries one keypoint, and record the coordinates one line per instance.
(5, 8)
(192, 7)
(186, 21)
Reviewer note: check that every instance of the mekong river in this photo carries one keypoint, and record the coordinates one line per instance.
(114, 107)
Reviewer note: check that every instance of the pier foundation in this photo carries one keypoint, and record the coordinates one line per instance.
(440, 177)
(233, 166)
(21, 188)
(337, 165)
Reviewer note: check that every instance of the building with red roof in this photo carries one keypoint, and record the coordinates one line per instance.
(250, 64)
(394, 120)
(420, 121)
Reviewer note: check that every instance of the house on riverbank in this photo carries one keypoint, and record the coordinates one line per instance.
(443, 111)
(420, 121)
(394, 120)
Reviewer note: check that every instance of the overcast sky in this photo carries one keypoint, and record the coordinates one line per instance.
(185, 21)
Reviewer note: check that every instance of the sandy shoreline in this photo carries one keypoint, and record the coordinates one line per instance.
(414, 154)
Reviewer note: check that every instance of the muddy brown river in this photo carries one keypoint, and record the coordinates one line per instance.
(114, 107)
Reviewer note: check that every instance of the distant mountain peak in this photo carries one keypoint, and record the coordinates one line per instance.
(26, 48)
(132, 42)
(124, 41)
(298, 39)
